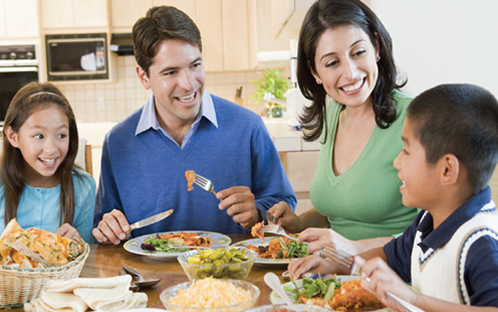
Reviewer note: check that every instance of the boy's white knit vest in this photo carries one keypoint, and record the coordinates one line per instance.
(439, 273)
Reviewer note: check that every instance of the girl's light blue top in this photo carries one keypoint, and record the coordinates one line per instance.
(39, 207)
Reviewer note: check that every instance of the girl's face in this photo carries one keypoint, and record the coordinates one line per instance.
(43, 140)
(346, 65)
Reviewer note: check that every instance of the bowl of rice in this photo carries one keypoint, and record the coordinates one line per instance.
(212, 295)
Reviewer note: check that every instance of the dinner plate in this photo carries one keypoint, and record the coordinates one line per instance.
(133, 245)
(257, 242)
(276, 299)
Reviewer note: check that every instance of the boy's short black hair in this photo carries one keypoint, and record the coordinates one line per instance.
(459, 119)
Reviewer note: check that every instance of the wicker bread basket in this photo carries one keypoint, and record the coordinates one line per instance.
(18, 286)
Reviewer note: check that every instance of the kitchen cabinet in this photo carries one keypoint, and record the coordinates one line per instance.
(300, 167)
(19, 19)
(287, 16)
(70, 14)
(209, 20)
(124, 13)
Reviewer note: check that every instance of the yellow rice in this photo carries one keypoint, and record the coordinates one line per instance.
(210, 292)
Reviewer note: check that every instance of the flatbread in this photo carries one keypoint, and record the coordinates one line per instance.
(96, 298)
(12, 228)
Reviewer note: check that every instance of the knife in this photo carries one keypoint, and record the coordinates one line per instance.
(150, 220)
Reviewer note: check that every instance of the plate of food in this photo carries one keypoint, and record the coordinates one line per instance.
(275, 250)
(336, 292)
(157, 245)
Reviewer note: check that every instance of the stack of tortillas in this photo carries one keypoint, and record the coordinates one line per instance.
(79, 294)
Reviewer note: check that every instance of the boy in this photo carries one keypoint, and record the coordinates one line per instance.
(450, 252)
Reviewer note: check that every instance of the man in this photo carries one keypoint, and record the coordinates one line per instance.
(183, 127)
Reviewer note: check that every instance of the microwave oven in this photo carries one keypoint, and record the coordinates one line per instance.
(77, 57)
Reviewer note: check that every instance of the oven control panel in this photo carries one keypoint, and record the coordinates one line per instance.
(17, 52)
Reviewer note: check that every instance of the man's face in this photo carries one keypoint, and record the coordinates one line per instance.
(176, 78)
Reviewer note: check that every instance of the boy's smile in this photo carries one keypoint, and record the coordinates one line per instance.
(419, 179)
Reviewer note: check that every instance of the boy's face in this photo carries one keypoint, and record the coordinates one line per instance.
(419, 188)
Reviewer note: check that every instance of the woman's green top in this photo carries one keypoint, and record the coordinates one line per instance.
(365, 201)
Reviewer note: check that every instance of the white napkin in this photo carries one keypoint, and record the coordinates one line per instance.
(72, 284)
(76, 295)
(52, 302)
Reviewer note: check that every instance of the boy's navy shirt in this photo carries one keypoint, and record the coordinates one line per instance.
(481, 266)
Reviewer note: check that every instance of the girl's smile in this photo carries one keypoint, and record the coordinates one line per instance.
(43, 140)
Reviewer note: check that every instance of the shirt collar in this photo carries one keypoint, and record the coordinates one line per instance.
(148, 118)
(436, 238)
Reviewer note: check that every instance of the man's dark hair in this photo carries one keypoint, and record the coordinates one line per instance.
(459, 119)
(159, 24)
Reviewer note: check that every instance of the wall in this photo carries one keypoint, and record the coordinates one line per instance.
(112, 102)
(443, 41)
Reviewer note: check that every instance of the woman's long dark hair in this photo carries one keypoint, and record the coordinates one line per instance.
(33, 97)
(329, 14)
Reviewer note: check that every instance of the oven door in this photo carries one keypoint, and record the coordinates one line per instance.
(13, 78)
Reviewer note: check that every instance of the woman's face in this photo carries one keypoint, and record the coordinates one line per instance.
(346, 65)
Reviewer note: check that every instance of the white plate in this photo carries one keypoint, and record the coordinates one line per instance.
(276, 299)
(133, 245)
(257, 242)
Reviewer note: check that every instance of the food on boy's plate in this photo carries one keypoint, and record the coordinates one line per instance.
(190, 176)
(333, 294)
(161, 242)
(36, 248)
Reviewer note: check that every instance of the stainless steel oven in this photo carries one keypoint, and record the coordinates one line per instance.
(18, 66)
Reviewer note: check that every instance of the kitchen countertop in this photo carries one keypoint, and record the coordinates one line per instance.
(285, 138)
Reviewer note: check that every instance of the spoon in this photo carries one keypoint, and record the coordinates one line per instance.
(139, 280)
(133, 287)
(273, 282)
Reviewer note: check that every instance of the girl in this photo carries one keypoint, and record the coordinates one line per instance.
(41, 185)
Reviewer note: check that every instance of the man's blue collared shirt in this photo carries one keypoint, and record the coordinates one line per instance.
(149, 119)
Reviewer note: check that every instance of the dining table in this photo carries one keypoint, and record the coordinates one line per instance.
(105, 260)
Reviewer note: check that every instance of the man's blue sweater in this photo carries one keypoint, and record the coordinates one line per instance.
(144, 175)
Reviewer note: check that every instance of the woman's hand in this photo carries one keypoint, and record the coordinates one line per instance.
(323, 238)
(379, 278)
(68, 231)
(313, 264)
(286, 218)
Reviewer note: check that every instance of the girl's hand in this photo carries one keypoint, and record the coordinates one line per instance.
(68, 231)
(379, 278)
(286, 218)
(313, 264)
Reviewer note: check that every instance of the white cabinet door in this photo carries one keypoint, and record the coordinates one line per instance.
(90, 13)
(61, 14)
(124, 13)
(21, 19)
(57, 13)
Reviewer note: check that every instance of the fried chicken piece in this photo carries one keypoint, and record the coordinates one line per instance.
(352, 295)
(190, 176)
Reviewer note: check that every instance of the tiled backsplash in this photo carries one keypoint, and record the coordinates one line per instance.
(112, 102)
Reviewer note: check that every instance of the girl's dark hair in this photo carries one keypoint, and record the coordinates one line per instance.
(161, 23)
(329, 14)
(31, 98)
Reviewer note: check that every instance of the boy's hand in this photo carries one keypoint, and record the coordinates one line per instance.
(379, 279)
(112, 228)
(68, 231)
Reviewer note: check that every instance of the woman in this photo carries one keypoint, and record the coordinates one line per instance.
(345, 52)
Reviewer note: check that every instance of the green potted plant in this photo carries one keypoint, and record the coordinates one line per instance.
(272, 83)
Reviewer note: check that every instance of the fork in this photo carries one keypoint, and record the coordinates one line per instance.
(278, 230)
(206, 184)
